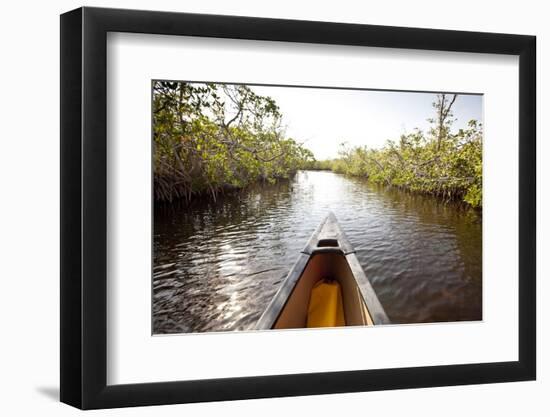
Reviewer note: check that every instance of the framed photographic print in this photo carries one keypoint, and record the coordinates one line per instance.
(257, 207)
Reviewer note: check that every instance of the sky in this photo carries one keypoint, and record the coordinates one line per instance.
(321, 119)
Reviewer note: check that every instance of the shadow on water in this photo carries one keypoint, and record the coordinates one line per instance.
(218, 264)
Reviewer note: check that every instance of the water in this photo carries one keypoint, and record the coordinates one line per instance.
(218, 264)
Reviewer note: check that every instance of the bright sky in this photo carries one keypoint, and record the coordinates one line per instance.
(324, 118)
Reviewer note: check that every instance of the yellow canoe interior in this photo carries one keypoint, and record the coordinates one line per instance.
(325, 305)
(326, 287)
(309, 307)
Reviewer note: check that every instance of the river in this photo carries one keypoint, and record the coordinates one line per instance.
(218, 264)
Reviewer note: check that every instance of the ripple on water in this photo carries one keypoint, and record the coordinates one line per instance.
(217, 265)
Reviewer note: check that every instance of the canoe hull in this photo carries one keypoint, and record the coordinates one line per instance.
(327, 255)
(320, 266)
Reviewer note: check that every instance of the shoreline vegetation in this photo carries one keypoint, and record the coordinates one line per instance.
(439, 163)
(211, 138)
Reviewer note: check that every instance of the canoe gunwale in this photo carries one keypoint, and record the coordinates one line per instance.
(327, 231)
(273, 310)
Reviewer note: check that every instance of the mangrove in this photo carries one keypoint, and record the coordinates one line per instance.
(208, 138)
(441, 163)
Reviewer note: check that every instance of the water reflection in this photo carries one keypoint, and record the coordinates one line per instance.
(218, 264)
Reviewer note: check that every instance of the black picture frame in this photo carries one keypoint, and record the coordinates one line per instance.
(84, 207)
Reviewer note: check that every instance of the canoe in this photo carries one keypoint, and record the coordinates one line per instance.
(326, 287)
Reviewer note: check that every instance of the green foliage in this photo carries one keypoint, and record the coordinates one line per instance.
(440, 163)
(210, 137)
(315, 165)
